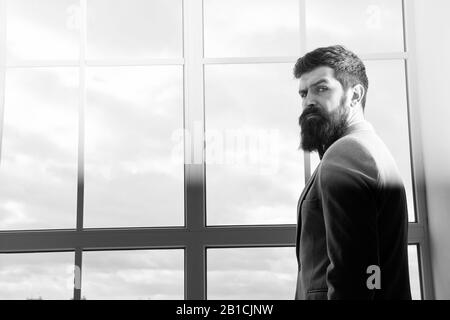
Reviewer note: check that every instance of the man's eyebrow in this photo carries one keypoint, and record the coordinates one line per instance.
(320, 81)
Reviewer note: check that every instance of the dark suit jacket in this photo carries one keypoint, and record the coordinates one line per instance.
(352, 214)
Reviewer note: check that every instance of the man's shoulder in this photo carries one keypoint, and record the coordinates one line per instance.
(349, 155)
(349, 148)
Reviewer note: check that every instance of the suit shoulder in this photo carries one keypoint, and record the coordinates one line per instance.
(349, 155)
(349, 150)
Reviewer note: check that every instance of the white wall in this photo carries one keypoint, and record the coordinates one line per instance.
(432, 26)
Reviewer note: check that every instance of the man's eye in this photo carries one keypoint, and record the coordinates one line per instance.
(322, 89)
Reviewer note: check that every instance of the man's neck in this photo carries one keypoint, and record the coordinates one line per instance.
(355, 116)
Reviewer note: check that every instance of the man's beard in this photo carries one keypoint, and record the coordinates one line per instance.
(319, 130)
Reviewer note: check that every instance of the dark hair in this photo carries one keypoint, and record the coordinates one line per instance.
(348, 68)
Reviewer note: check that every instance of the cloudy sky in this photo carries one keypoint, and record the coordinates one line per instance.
(131, 178)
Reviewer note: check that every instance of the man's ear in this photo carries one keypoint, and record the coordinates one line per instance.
(358, 94)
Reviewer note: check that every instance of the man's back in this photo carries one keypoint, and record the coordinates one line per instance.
(352, 215)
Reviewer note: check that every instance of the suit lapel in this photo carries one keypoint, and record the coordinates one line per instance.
(305, 191)
(299, 205)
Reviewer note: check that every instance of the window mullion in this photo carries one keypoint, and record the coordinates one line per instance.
(81, 115)
(81, 137)
(195, 219)
(418, 174)
(2, 67)
(77, 274)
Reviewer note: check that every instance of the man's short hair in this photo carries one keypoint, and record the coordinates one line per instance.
(348, 68)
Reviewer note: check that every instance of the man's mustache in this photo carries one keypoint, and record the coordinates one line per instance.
(311, 111)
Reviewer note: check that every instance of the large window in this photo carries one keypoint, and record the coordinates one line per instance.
(149, 149)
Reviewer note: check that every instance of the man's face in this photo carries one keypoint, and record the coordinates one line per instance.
(325, 112)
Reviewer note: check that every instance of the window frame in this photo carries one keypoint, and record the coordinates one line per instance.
(195, 237)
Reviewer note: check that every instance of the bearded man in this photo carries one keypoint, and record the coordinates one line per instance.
(352, 232)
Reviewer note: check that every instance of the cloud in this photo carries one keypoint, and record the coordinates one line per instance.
(34, 275)
(353, 23)
(13, 214)
(39, 30)
(141, 36)
(257, 28)
(39, 151)
(241, 273)
(258, 97)
(131, 114)
(143, 274)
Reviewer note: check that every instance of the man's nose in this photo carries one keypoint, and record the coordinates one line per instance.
(309, 101)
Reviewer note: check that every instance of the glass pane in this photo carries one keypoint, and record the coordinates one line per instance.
(132, 178)
(414, 272)
(134, 29)
(36, 276)
(387, 110)
(44, 29)
(254, 170)
(315, 160)
(38, 169)
(251, 274)
(238, 28)
(149, 274)
(363, 26)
